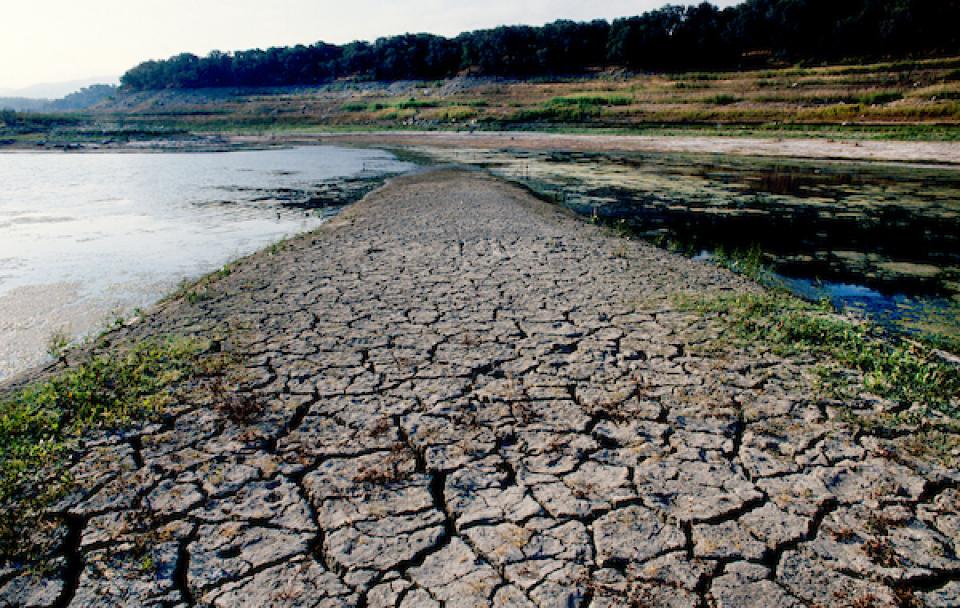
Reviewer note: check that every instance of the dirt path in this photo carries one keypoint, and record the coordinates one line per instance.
(946, 153)
(470, 398)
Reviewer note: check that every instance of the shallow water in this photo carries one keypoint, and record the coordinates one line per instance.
(879, 238)
(84, 237)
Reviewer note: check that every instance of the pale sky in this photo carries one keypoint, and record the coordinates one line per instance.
(60, 40)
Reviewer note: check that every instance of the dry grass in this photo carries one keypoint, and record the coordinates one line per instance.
(922, 92)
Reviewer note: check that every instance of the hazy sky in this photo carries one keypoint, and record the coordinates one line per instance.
(58, 40)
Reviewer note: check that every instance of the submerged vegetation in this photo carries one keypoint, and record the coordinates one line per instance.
(822, 229)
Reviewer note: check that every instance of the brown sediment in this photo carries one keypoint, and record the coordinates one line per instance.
(942, 153)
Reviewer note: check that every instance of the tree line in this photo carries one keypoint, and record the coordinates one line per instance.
(751, 34)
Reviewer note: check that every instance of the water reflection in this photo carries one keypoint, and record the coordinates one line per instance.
(881, 238)
(82, 235)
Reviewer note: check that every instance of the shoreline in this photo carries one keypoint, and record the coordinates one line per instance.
(452, 382)
(943, 154)
(102, 226)
(930, 153)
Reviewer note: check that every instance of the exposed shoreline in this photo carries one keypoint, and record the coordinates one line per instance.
(942, 154)
(945, 154)
(127, 229)
(461, 393)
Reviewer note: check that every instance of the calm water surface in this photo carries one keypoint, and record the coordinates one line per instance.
(879, 239)
(86, 236)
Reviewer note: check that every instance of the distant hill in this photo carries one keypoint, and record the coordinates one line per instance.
(78, 100)
(23, 104)
(55, 90)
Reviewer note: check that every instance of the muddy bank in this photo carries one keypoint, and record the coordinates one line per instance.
(465, 396)
(946, 153)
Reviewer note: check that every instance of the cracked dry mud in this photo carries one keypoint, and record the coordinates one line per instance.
(470, 398)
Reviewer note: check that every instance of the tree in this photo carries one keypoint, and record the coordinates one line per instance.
(673, 37)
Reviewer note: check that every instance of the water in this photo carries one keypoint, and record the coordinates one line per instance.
(881, 239)
(84, 236)
(934, 317)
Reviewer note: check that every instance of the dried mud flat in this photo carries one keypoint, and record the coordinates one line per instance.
(471, 398)
(922, 152)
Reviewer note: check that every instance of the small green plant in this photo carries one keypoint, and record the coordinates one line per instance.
(115, 320)
(148, 563)
(197, 295)
(722, 99)
(748, 262)
(57, 344)
(622, 228)
(40, 423)
(902, 371)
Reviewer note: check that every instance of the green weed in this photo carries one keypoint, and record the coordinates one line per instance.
(748, 262)
(40, 423)
(722, 99)
(905, 372)
(57, 343)
(197, 295)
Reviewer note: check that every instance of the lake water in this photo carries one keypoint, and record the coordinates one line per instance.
(85, 237)
(878, 239)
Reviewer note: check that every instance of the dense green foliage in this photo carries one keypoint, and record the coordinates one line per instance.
(756, 32)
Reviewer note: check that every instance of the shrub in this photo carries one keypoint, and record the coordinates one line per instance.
(412, 104)
(354, 106)
(8, 117)
(722, 99)
(879, 98)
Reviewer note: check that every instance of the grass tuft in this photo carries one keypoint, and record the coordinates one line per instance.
(910, 374)
(40, 424)
(722, 99)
